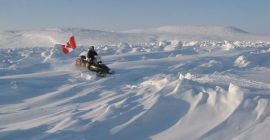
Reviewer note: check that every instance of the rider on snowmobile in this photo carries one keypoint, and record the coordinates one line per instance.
(91, 54)
(93, 62)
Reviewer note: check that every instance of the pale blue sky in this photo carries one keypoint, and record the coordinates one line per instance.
(250, 15)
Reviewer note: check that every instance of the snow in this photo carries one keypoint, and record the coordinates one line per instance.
(162, 89)
(85, 37)
(199, 33)
(241, 62)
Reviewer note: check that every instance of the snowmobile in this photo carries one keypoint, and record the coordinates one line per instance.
(96, 65)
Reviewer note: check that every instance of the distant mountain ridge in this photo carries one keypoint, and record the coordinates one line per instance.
(50, 36)
(189, 29)
(200, 33)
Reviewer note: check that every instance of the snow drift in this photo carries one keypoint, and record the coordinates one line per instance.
(171, 89)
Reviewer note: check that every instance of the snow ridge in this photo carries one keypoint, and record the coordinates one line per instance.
(169, 89)
(52, 36)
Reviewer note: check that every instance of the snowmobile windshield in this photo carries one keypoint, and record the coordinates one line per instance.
(84, 53)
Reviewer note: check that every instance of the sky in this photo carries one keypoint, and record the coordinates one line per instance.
(114, 15)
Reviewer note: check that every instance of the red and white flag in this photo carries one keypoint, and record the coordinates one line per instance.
(69, 46)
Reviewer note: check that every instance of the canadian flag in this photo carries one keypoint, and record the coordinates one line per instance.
(69, 46)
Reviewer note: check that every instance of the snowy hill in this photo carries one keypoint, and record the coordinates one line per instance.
(201, 33)
(49, 37)
(161, 90)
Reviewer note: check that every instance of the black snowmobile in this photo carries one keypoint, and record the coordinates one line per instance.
(96, 65)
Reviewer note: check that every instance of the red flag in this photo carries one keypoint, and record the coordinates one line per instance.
(69, 46)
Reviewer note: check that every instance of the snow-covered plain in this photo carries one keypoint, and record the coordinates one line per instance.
(161, 90)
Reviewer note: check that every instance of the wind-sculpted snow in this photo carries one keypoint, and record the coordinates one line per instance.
(160, 90)
(49, 37)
